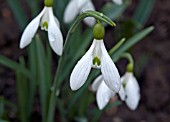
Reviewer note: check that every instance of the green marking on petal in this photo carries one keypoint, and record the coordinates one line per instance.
(45, 25)
(124, 85)
(96, 61)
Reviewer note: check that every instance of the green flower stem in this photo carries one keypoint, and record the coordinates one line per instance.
(57, 81)
(129, 57)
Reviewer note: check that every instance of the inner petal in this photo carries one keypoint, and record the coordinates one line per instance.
(97, 54)
(44, 21)
(44, 26)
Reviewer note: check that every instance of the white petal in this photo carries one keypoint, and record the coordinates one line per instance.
(71, 11)
(45, 18)
(97, 82)
(132, 90)
(109, 71)
(54, 34)
(81, 3)
(56, 20)
(30, 30)
(90, 21)
(122, 93)
(103, 95)
(82, 69)
(119, 2)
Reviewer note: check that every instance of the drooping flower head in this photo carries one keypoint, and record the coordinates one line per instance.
(130, 90)
(75, 7)
(96, 57)
(48, 22)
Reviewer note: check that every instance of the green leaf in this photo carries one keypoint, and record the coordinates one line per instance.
(34, 6)
(113, 11)
(143, 11)
(22, 94)
(1, 120)
(15, 66)
(1, 107)
(32, 64)
(18, 11)
(44, 84)
(131, 41)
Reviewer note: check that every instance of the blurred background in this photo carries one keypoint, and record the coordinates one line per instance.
(152, 63)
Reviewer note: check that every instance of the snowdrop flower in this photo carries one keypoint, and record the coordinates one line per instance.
(96, 57)
(75, 7)
(48, 22)
(104, 94)
(118, 2)
(130, 91)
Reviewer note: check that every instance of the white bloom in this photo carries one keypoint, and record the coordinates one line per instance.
(96, 57)
(118, 2)
(75, 7)
(48, 22)
(104, 94)
(130, 91)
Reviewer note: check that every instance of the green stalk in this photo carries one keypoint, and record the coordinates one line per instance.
(130, 65)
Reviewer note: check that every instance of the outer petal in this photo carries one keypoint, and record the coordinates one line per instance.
(82, 69)
(103, 95)
(30, 30)
(97, 82)
(81, 3)
(54, 34)
(119, 2)
(90, 21)
(56, 20)
(122, 93)
(110, 73)
(71, 11)
(132, 90)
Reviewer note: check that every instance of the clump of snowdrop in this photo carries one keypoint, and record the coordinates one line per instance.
(96, 57)
(75, 7)
(48, 22)
(129, 92)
